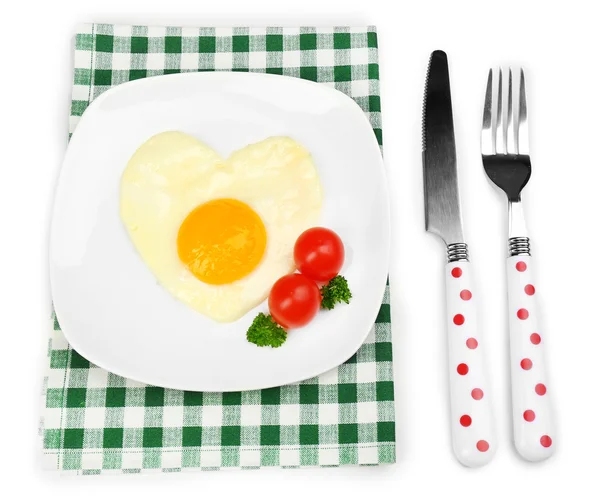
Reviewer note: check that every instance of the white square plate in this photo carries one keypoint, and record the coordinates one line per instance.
(109, 304)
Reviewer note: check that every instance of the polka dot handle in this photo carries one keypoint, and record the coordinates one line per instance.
(473, 431)
(533, 423)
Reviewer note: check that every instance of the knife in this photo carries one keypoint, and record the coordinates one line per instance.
(473, 431)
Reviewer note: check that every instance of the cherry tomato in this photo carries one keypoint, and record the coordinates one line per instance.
(319, 254)
(294, 300)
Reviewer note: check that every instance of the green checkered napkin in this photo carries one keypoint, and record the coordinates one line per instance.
(94, 421)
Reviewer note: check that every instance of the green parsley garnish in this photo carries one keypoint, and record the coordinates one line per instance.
(336, 291)
(264, 331)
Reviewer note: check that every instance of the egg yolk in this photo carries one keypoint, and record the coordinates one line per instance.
(221, 241)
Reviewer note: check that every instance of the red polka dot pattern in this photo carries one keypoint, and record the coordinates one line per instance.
(526, 364)
(456, 272)
(483, 446)
(465, 295)
(477, 394)
(526, 341)
(465, 351)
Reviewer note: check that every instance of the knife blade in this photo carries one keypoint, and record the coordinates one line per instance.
(472, 425)
(442, 205)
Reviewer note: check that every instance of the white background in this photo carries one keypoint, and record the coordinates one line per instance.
(557, 42)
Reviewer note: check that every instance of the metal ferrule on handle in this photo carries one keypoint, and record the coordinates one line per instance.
(473, 430)
(458, 252)
(519, 246)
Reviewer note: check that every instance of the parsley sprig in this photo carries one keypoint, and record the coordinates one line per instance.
(336, 291)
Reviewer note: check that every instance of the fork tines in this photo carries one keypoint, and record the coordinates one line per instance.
(504, 129)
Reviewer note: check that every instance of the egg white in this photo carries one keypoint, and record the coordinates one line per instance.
(172, 173)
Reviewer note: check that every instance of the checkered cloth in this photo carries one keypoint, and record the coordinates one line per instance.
(94, 421)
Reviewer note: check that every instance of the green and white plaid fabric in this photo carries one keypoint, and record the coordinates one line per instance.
(94, 421)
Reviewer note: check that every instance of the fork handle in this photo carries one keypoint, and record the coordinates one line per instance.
(473, 431)
(533, 423)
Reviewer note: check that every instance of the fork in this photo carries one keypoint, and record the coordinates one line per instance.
(505, 153)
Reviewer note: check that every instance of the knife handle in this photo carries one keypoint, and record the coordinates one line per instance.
(533, 423)
(473, 430)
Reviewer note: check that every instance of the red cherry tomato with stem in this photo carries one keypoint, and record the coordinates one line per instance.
(319, 254)
(294, 300)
